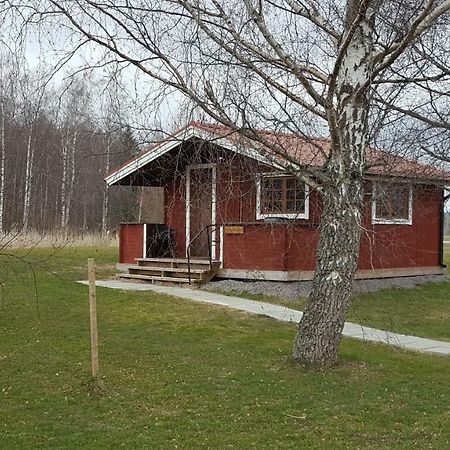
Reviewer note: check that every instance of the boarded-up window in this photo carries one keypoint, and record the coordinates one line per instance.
(283, 195)
(151, 205)
(392, 203)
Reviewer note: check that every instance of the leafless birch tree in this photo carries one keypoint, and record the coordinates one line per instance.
(2, 160)
(33, 105)
(341, 68)
(75, 113)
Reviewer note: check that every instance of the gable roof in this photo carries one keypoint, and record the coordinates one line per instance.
(306, 152)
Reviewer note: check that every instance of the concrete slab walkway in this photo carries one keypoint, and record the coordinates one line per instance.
(285, 314)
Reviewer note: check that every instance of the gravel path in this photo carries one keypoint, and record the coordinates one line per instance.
(295, 289)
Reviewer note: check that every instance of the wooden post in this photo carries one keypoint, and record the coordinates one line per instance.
(93, 318)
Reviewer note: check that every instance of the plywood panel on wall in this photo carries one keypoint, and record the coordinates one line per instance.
(151, 205)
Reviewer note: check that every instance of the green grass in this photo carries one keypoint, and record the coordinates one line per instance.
(183, 375)
(422, 311)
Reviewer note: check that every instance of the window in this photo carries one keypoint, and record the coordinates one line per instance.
(392, 203)
(282, 196)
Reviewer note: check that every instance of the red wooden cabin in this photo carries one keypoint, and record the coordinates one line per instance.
(227, 201)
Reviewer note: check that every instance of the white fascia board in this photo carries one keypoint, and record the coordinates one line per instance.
(150, 156)
(178, 138)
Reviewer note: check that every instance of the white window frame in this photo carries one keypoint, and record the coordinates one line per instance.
(383, 221)
(260, 215)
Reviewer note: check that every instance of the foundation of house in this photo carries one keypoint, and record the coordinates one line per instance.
(299, 275)
(304, 275)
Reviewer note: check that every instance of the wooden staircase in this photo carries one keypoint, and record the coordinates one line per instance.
(172, 271)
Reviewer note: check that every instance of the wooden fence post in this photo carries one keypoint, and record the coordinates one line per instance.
(93, 318)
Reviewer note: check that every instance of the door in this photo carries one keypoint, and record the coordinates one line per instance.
(200, 209)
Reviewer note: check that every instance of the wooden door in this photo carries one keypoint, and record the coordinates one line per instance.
(200, 209)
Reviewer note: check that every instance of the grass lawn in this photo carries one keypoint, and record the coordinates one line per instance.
(423, 311)
(183, 375)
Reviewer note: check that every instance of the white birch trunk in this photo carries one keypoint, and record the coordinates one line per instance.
(141, 202)
(64, 186)
(71, 179)
(2, 166)
(68, 178)
(105, 212)
(45, 209)
(28, 182)
(318, 338)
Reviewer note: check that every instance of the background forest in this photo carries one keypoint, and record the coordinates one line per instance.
(56, 145)
(57, 142)
(59, 138)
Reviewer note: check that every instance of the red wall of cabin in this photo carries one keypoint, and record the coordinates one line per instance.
(416, 245)
(265, 246)
(258, 248)
(271, 247)
(236, 196)
(131, 238)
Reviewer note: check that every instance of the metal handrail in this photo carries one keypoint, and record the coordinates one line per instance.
(188, 248)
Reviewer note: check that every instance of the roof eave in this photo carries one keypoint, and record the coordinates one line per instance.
(181, 136)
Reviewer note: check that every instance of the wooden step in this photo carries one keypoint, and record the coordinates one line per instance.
(176, 260)
(196, 274)
(172, 271)
(168, 269)
(181, 263)
(155, 279)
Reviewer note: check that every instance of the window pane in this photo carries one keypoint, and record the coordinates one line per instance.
(271, 195)
(282, 196)
(392, 201)
(295, 196)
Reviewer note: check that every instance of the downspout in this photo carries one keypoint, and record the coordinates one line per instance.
(441, 243)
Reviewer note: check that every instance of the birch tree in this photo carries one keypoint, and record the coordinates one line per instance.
(335, 68)
(28, 176)
(4, 78)
(111, 118)
(68, 145)
(32, 104)
(9, 92)
(2, 159)
(105, 210)
(74, 116)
